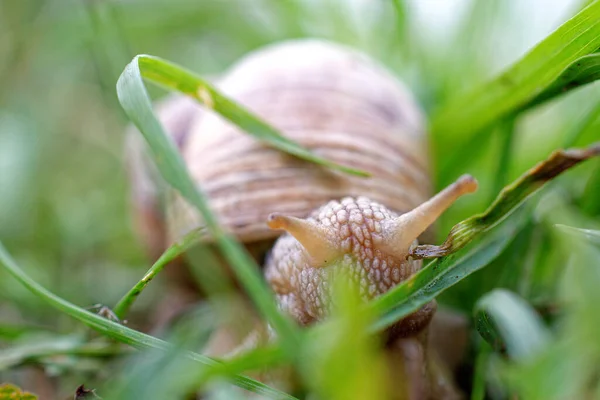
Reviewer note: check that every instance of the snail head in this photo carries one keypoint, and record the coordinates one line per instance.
(365, 238)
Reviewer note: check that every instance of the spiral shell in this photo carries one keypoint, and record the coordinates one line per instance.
(331, 99)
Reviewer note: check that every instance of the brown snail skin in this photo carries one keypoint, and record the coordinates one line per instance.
(362, 237)
(343, 106)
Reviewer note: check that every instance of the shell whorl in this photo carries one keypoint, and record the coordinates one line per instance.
(333, 100)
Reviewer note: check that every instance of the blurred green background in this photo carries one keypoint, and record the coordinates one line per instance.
(63, 191)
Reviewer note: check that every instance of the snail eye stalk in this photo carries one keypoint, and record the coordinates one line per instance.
(316, 239)
(399, 233)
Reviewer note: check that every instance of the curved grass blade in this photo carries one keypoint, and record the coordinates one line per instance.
(508, 323)
(174, 77)
(525, 80)
(507, 201)
(136, 103)
(582, 71)
(119, 332)
(440, 274)
(174, 251)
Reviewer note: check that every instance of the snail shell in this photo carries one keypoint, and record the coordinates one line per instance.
(334, 101)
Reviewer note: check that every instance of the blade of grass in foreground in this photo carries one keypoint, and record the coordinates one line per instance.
(506, 321)
(174, 77)
(582, 71)
(136, 103)
(119, 332)
(507, 201)
(440, 274)
(525, 80)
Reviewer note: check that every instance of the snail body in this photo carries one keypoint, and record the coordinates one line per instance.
(342, 106)
(361, 237)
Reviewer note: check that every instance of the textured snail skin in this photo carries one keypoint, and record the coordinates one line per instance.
(355, 225)
(363, 239)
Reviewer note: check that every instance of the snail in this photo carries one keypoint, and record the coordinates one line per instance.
(345, 107)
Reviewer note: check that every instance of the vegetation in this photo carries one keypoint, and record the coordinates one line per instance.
(65, 218)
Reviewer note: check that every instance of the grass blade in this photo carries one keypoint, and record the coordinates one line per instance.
(507, 201)
(525, 80)
(174, 251)
(135, 101)
(506, 321)
(174, 77)
(582, 71)
(440, 274)
(119, 332)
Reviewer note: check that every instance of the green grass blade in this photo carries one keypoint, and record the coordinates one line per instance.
(507, 201)
(582, 71)
(506, 321)
(117, 331)
(526, 79)
(174, 77)
(174, 251)
(335, 361)
(135, 101)
(440, 274)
